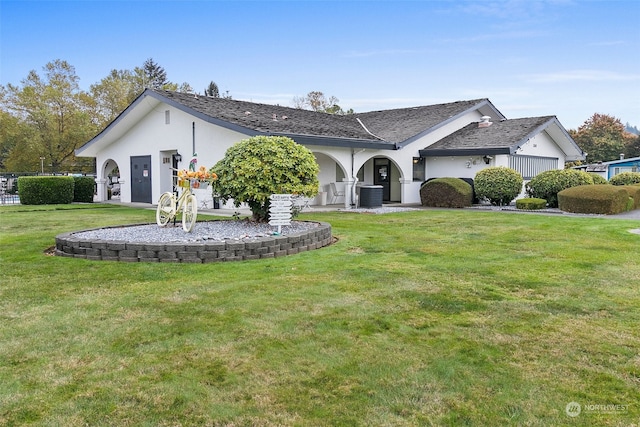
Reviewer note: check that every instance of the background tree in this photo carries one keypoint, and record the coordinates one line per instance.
(212, 90)
(113, 94)
(156, 76)
(602, 137)
(257, 167)
(633, 147)
(317, 101)
(58, 117)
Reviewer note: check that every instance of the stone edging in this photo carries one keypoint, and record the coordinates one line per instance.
(68, 245)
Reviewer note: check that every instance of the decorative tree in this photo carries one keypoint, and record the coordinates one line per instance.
(255, 168)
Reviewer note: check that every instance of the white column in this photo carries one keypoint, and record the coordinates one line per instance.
(101, 186)
(405, 187)
(349, 190)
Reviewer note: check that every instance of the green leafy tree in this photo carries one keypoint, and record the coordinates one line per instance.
(602, 137)
(114, 93)
(255, 168)
(500, 185)
(633, 147)
(56, 116)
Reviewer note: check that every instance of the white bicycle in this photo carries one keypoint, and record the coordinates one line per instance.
(169, 205)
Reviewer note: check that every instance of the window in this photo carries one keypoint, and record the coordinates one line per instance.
(530, 166)
(418, 169)
(621, 169)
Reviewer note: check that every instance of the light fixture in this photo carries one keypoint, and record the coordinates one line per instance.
(487, 159)
(178, 157)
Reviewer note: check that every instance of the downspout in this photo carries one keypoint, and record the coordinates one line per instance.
(193, 137)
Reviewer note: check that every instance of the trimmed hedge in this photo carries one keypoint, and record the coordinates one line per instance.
(83, 189)
(634, 192)
(45, 190)
(594, 199)
(446, 193)
(548, 184)
(531, 203)
(499, 185)
(625, 178)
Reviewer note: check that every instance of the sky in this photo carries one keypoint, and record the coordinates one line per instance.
(568, 58)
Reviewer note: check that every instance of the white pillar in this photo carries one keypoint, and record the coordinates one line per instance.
(101, 186)
(405, 187)
(349, 190)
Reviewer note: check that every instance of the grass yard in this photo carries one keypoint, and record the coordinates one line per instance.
(434, 317)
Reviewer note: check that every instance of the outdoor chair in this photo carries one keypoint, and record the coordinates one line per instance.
(335, 193)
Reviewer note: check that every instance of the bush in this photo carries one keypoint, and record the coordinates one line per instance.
(499, 185)
(531, 203)
(634, 192)
(83, 189)
(594, 199)
(45, 190)
(597, 178)
(446, 193)
(625, 178)
(548, 184)
(255, 168)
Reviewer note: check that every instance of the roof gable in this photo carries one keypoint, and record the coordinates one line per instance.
(503, 137)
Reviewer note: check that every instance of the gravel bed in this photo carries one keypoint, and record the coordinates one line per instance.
(202, 231)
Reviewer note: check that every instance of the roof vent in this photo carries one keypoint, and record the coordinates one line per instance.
(485, 123)
(621, 156)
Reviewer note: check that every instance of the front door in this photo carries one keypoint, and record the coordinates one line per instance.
(141, 179)
(382, 176)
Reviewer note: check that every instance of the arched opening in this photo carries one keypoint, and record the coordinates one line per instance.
(108, 181)
(381, 170)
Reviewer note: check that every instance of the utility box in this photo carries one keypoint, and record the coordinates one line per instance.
(371, 196)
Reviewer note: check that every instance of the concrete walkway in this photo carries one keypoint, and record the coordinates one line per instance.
(244, 212)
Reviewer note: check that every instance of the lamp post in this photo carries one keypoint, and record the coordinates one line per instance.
(42, 165)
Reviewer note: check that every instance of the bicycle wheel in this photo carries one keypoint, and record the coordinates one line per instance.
(189, 213)
(166, 209)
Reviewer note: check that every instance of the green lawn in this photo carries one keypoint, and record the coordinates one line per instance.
(428, 317)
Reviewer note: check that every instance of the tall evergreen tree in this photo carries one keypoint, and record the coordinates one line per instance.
(155, 75)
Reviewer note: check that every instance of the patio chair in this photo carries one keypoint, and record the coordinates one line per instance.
(335, 193)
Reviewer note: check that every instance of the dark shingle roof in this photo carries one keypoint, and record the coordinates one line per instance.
(401, 124)
(501, 137)
(388, 126)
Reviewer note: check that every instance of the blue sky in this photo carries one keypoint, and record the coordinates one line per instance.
(530, 58)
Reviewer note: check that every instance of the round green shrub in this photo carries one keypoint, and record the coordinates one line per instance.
(597, 178)
(548, 184)
(45, 190)
(625, 178)
(255, 168)
(446, 193)
(531, 203)
(594, 199)
(499, 185)
(83, 189)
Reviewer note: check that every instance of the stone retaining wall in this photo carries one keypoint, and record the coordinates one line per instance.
(194, 252)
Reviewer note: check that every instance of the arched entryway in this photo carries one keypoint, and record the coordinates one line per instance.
(108, 181)
(380, 170)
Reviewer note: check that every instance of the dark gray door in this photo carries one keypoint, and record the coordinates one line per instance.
(141, 179)
(382, 176)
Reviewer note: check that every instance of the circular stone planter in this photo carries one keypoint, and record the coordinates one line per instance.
(203, 251)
